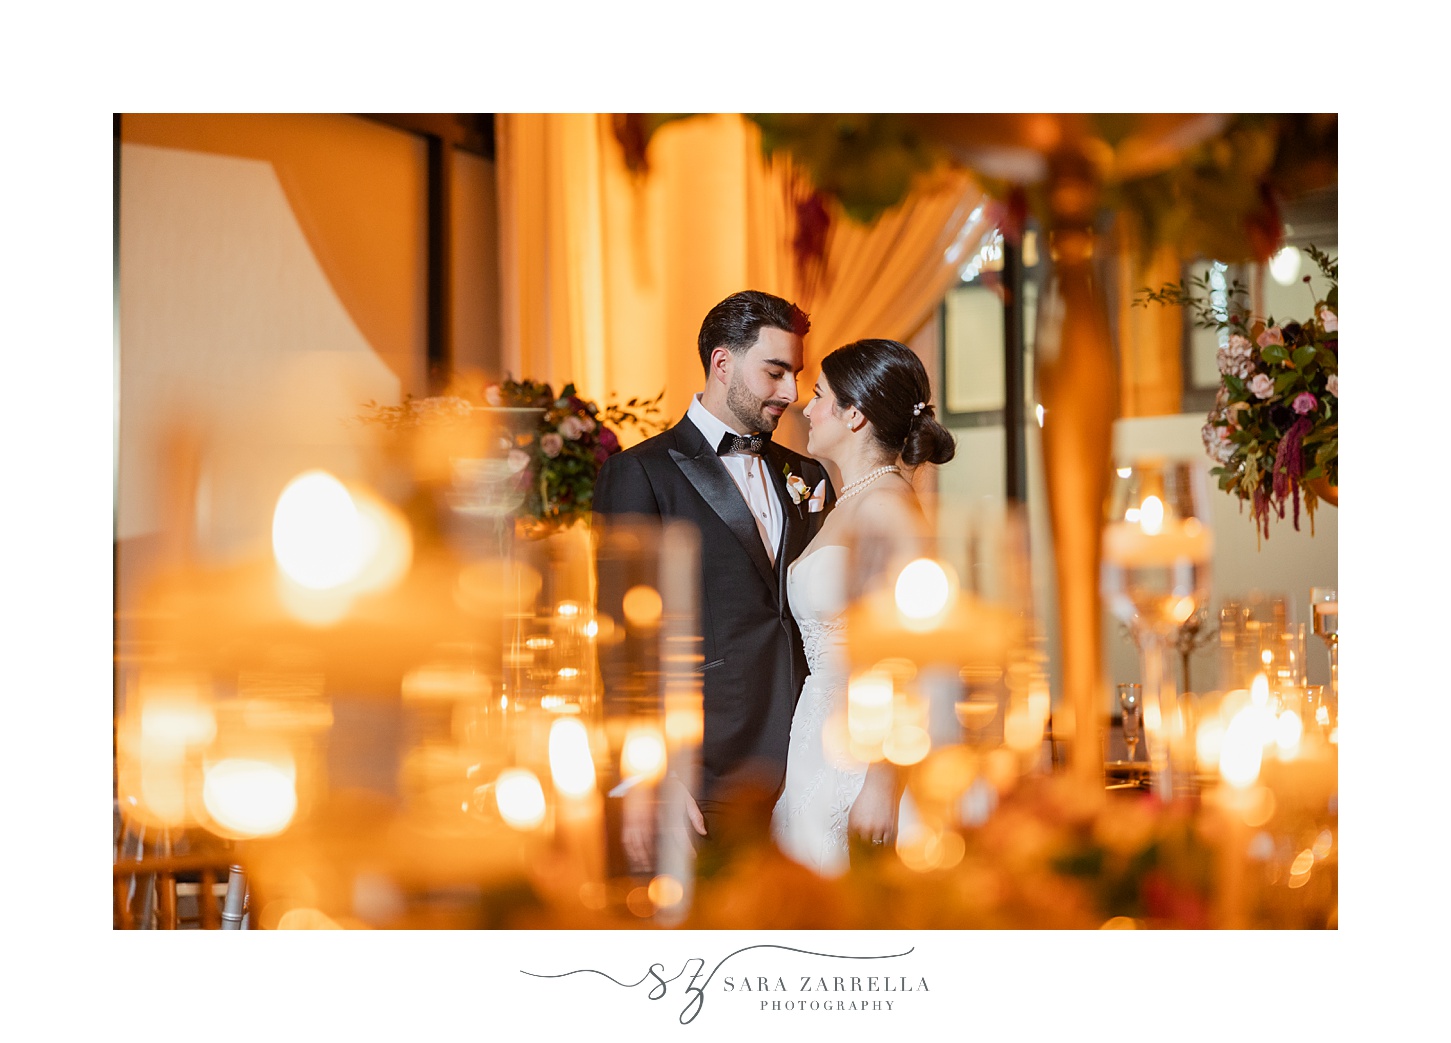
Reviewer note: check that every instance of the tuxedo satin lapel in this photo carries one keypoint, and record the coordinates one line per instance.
(705, 471)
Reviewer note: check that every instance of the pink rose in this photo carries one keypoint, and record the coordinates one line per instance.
(1271, 336)
(493, 396)
(571, 427)
(1332, 385)
(552, 444)
(1328, 320)
(1304, 403)
(518, 460)
(1261, 385)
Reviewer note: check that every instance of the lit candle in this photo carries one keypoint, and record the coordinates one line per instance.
(1150, 542)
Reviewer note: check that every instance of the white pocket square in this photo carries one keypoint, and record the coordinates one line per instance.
(818, 498)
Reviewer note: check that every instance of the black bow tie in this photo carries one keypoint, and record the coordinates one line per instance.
(733, 443)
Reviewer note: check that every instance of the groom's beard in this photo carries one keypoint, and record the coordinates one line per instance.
(750, 410)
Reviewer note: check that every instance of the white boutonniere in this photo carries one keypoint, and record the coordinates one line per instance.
(798, 489)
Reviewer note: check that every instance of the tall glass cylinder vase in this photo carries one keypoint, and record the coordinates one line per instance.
(1157, 548)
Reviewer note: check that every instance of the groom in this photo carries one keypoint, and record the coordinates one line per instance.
(719, 469)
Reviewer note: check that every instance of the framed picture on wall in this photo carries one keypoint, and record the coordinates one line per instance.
(974, 384)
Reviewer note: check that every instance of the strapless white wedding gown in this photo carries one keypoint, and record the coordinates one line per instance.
(822, 780)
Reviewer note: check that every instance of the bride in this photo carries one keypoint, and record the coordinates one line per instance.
(872, 417)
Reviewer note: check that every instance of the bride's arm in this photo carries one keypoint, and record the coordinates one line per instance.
(890, 514)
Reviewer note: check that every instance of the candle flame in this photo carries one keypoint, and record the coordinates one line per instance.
(1259, 690)
(1288, 729)
(520, 798)
(570, 761)
(1241, 751)
(1151, 516)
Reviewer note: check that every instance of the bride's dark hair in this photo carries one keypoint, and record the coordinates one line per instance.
(887, 382)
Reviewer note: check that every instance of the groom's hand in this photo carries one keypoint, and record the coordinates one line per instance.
(639, 820)
(637, 828)
(692, 812)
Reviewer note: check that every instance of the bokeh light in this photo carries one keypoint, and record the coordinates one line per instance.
(923, 591)
(1151, 515)
(907, 744)
(869, 709)
(1242, 750)
(643, 753)
(665, 891)
(643, 607)
(1288, 729)
(570, 761)
(249, 797)
(317, 535)
(520, 798)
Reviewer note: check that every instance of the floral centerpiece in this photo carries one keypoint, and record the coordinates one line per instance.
(1274, 428)
(553, 456)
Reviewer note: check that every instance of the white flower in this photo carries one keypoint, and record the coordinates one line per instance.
(1332, 384)
(798, 489)
(1261, 385)
(518, 460)
(572, 427)
(1329, 321)
(1217, 443)
(1236, 357)
(493, 396)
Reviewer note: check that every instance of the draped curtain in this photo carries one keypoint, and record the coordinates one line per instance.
(606, 276)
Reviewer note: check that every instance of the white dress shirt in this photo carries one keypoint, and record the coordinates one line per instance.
(749, 472)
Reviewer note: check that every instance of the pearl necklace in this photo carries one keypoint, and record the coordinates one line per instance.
(852, 488)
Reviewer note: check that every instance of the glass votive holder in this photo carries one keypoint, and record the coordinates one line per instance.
(1321, 712)
(1282, 656)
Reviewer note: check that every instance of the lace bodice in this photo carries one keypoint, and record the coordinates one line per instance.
(816, 585)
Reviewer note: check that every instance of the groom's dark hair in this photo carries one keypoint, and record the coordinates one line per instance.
(736, 322)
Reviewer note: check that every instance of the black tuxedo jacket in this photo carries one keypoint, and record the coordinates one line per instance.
(754, 665)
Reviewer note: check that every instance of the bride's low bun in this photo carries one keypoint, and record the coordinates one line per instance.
(928, 442)
(887, 381)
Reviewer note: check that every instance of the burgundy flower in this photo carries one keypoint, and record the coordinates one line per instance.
(813, 222)
(608, 441)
